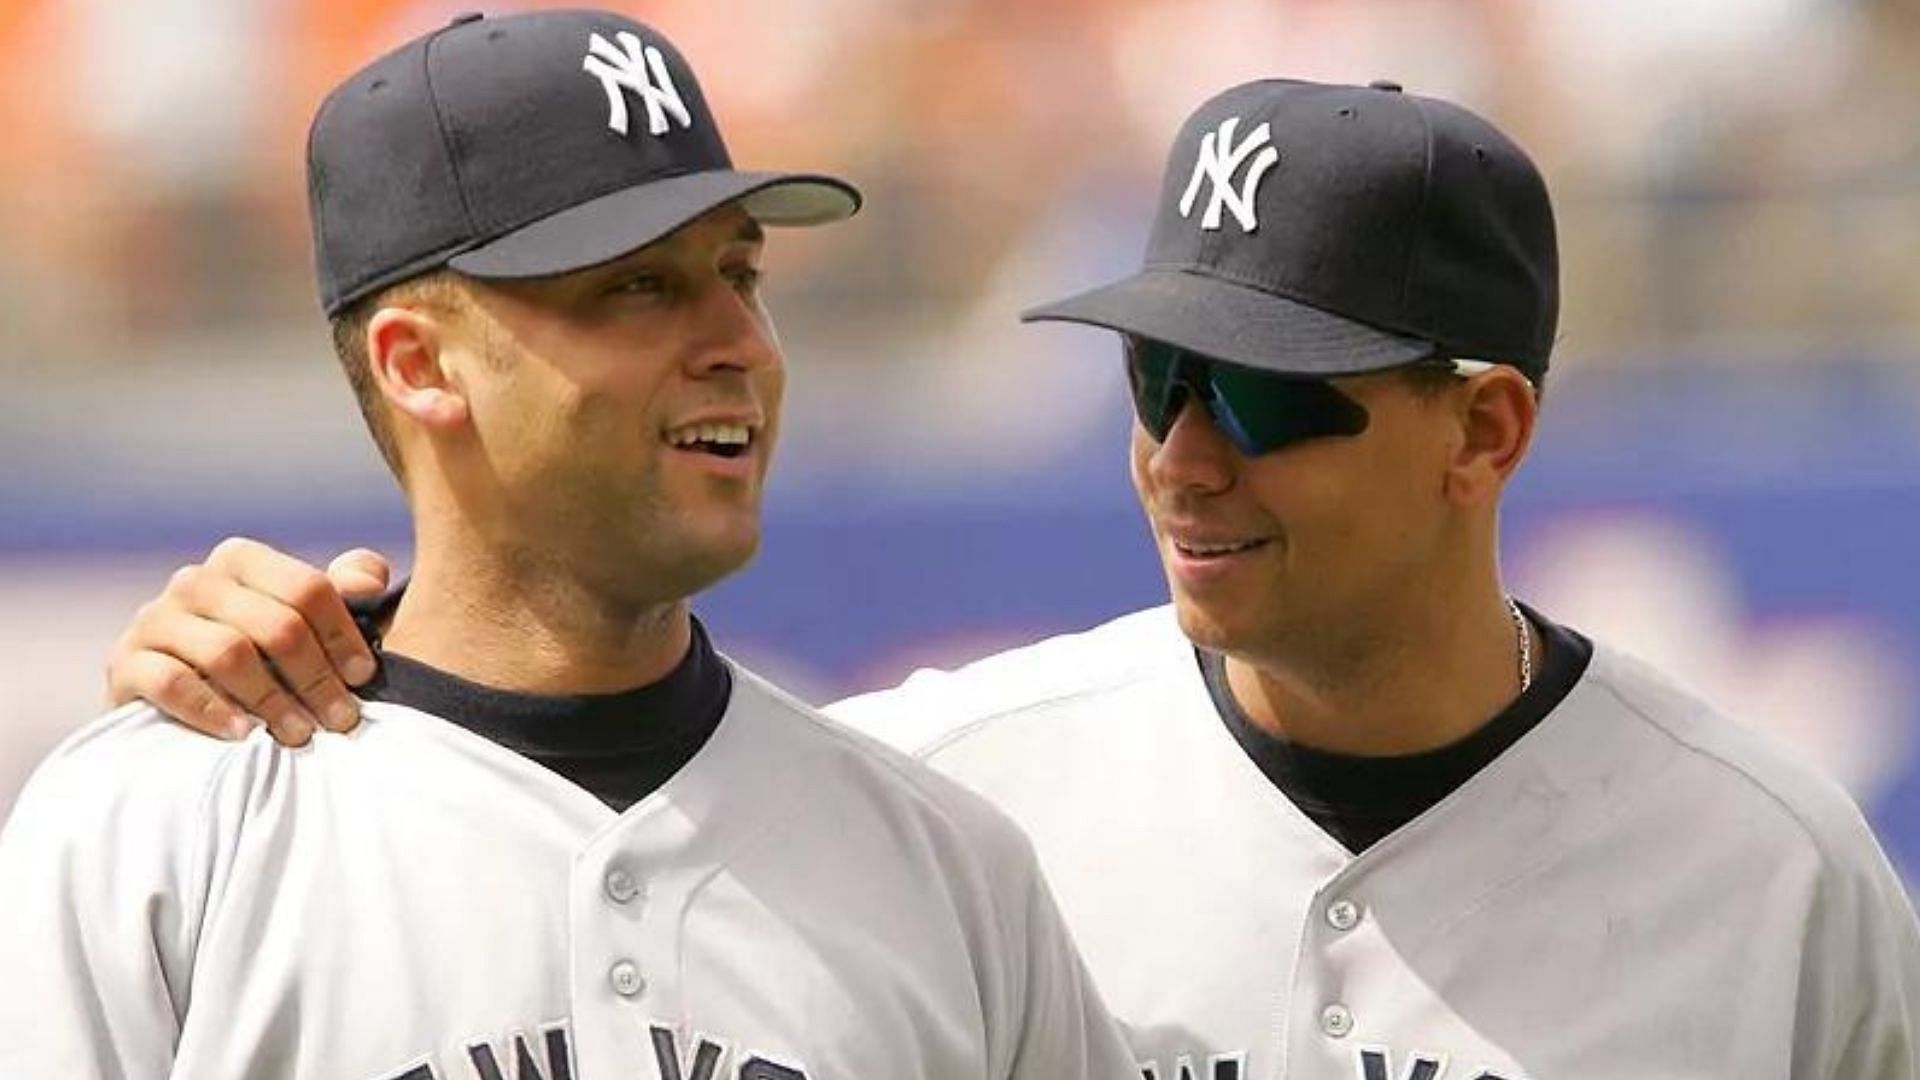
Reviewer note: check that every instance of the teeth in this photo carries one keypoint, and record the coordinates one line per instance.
(1215, 549)
(715, 434)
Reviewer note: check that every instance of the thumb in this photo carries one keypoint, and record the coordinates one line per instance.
(361, 572)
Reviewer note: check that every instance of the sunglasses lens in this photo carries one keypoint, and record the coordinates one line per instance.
(1152, 368)
(1263, 412)
(1260, 411)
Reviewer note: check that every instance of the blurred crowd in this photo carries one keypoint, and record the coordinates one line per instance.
(1726, 170)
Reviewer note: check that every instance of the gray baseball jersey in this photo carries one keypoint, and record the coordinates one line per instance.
(415, 902)
(1638, 887)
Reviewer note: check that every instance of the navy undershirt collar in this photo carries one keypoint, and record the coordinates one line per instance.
(1360, 800)
(620, 747)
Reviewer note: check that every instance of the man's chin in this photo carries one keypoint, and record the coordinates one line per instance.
(717, 555)
(1210, 624)
(664, 561)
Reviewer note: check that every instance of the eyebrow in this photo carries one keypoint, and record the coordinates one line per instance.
(751, 232)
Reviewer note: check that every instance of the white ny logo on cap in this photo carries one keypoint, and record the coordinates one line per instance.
(1220, 168)
(641, 69)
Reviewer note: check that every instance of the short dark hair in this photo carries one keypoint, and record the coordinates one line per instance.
(350, 348)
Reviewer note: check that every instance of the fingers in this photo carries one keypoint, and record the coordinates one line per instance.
(312, 596)
(359, 573)
(239, 631)
(227, 660)
(255, 631)
(177, 690)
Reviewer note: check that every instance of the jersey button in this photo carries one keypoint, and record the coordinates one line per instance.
(625, 977)
(1336, 1020)
(621, 886)
(1343, 915)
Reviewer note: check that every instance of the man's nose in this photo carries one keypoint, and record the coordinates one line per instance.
(1196, 453)
(733, 331)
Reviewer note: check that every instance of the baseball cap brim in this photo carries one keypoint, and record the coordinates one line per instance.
(612, 225)
(1232, 322)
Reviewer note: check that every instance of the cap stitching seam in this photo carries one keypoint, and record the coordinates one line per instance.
(1426, 193)
(440, 125)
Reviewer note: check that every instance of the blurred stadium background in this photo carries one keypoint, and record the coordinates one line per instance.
(1728, 480)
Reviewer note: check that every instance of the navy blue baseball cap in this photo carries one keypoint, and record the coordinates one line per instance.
(1321, 230)
(525, 146)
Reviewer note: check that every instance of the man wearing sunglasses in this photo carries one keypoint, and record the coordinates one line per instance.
(1345, 808)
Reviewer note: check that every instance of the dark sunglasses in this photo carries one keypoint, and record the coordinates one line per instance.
(1258, 411)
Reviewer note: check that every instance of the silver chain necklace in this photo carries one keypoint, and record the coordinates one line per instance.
(1525, 640)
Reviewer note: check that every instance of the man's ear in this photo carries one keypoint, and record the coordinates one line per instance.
(405, 353)
(1497, 411)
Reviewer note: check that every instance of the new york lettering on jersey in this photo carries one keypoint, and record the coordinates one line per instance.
(1377, 1063)
(705, 1059)
(1231, 1066)
(1370, 1062)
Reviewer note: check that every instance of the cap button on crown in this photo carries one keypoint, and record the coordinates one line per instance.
(1385, 84)
(465, 17)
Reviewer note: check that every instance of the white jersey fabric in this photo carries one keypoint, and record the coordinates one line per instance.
(413, 901)
(1637, 888)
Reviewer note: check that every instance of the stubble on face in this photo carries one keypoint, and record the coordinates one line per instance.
(1345, 526)
(594, 492)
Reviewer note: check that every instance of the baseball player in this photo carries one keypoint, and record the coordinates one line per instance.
(570, 839)
(1345, 808)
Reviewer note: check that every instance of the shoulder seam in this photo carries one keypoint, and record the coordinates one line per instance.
(948, 738)
(1807, 830)
(1128, 675)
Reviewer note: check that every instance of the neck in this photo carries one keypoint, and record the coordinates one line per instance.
(1431, 678)
(512, 622)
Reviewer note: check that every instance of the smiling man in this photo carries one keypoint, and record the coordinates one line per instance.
(570, 839)
(1345, 808)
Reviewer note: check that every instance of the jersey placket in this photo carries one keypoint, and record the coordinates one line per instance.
(630, 895)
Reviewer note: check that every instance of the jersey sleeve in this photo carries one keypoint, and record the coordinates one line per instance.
(914, 717)
(1859, 998)
(933, 707)
(1064, 1031)
(96, 927)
